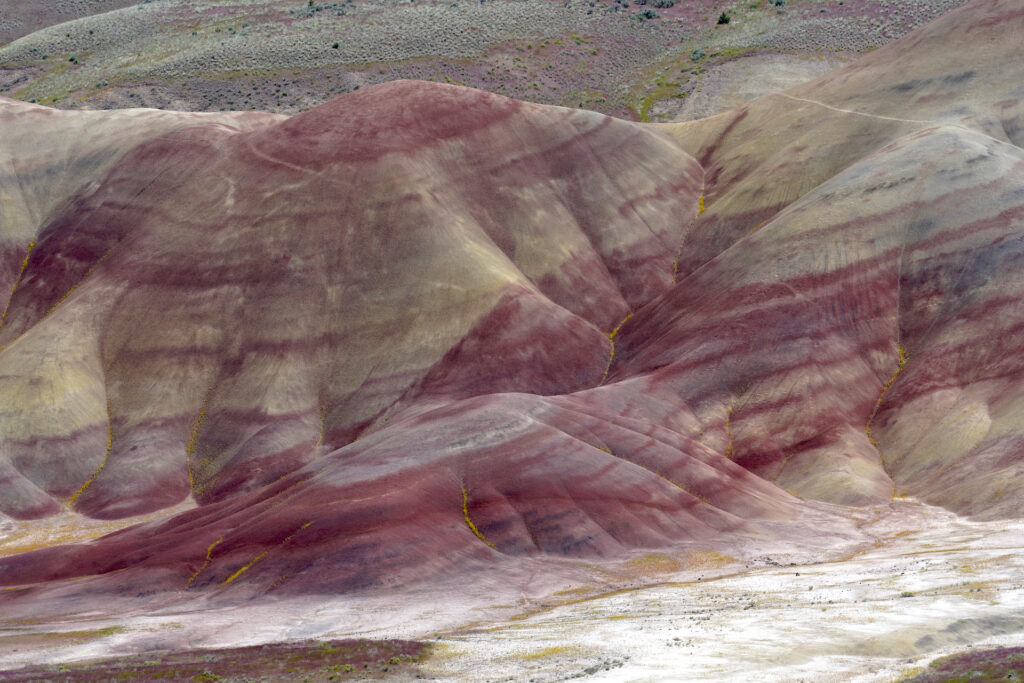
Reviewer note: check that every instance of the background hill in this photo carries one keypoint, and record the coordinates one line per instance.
(650, 60)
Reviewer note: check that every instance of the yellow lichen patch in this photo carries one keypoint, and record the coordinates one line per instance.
(971, 566)
(575, 592)
(323, 420)
(910, 673)
(756, 227)
(611, 335)
(682, 241)
(24, 261)
(245, 567)
(205, 564)
(611, 350)
(440, 652)
(278, 581)
(17, 281)
(469, 522)
(594, 445)
(654, 564)
(611, 358)
(193, 438)
(901, 361)
(106, 455)
(285, 495)
(980, 591)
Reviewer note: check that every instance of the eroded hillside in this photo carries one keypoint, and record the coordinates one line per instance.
(424, 335)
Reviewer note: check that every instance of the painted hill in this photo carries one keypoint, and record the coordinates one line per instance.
(422, 330)
(224, 306)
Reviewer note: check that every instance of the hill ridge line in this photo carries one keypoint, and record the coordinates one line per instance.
(858, 113)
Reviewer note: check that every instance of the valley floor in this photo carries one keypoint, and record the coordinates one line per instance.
(931, 583)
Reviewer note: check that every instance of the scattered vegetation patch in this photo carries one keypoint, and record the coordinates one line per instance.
(290, 55)
(310, 10)
(1002, 664)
